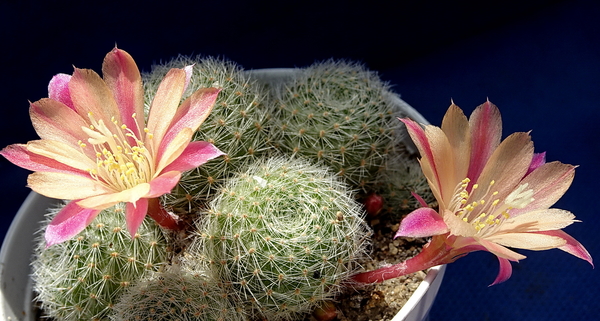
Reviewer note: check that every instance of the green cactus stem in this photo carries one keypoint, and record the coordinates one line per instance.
(176, 296)
(339, 113)
(283, 235)
(82, 278)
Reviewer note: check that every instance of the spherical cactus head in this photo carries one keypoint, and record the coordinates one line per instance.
(284, 235)
(401, 177)
(339, 113)
(238, 125)
(81, 279)
(176, 296)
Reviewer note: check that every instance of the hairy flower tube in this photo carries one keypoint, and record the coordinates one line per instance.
(97, 149)
(493, 195)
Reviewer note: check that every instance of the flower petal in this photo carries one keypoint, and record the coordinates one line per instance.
(109, 199)
(538, 160)
(192, 113)
(486, 132)
(62, 153)
(122, 76)
(528, 241)
(135, 214)
(194, 155)
(500, 251)
(457, 226)
(444, 160)
(53, 120)
(436, 158)
(572, 246)
(164, 106)
(58, 89)
(417, 134)
(540, 220)
(67, 223)
(549, 183)
(189, 71)
(163, 184)
(419, 199)
(505, 271)
(90, 94)
(65, 186)
(507, 165)
(456, 127)
(20, 156)
(174, 149)
(422, 222)
(432, 181)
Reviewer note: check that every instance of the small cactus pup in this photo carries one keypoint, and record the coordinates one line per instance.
(176, 296)
(339, 113)
(237, 125)
(283, 235)
(397, 182)
(81, 279)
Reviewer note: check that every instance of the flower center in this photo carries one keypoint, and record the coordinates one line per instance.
(122, 160)
(488, 211)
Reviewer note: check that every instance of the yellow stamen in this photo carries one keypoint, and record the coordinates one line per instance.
(122, 160)
(487, 211)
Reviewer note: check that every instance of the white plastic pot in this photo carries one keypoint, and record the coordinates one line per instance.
(16, 295)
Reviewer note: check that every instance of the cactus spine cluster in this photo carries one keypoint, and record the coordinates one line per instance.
(338, 113)
(283, 235)
(82, 278)
(176, 296)
(238, 125)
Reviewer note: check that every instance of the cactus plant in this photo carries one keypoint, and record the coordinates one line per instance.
(339, 112)
(82, 278)
(238, 124)
(284, 235)
(400, 177)
(177, 296)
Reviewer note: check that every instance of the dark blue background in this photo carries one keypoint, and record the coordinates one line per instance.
(538, 61)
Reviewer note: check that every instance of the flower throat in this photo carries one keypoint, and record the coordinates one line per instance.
(489, 210)
(122, 159)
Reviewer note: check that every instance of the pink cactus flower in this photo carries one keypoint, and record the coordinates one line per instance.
(493, 195)
(97, 149)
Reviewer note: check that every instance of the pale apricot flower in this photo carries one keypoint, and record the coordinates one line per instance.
(492, 195)
(97, 149)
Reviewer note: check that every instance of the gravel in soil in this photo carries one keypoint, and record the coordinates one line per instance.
(382, 301)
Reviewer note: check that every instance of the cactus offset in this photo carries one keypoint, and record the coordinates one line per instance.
(401, 176)
(177, 296)
(339, 113)
(238, 125)
(82, 278)
(284, 235)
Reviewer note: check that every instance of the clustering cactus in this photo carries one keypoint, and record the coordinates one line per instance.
(283, 236)
(238, 124)
(277, 236)
(82, 278)
(176, 296)
(339, 113)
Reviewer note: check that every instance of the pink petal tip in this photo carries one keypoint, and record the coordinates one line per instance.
(67, 223)
(422, 222)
